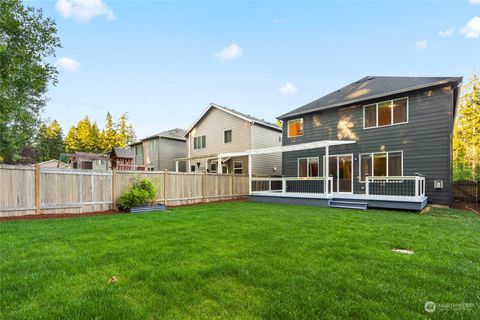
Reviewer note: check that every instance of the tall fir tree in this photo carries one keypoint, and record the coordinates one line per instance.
(49, 142)
(466, 141)
(109, 134)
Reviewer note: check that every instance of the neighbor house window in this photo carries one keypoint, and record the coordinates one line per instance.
(199, 142)
(295, 128)
(381, 164)
(213, 167)
(153, 145)
(238, 167)
(308, 167)
(227, 136)
(385, 113)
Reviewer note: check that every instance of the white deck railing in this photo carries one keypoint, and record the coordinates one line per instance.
(404, 186)
(291, 185)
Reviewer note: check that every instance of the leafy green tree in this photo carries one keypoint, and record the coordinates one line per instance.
(49, 141)
(466, 140)
(27, 41)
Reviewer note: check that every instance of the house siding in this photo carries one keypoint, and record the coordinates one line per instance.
(213, 124)
(263, 165)
(425, 140)
(169, 150)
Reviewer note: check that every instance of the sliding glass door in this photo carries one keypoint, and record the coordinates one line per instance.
(340, 169)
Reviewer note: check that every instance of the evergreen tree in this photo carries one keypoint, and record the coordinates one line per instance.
(125, 132)
(49, 143)
(71, 142)
(109, 135)
(466, 141)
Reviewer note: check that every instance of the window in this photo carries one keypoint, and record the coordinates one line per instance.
(238, 167)
(295, 128)
(227, 136)
(199, 142)
(385, 113)
(213, 167)
(308, 167)
(381, 164)
(138, 150)
(153, 145)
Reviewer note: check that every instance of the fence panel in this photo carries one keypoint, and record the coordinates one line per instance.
(17, 190)
(467, 191)
(29, 190)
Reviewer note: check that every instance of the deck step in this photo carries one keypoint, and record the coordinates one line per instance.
(348, 205)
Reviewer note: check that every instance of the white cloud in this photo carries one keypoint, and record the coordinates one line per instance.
(472, 29)
(287, 89)
(68, 64)
(280, 21)
(446, 33)
(231, 52)
(421, 44)
(84, 10)
(474, 1)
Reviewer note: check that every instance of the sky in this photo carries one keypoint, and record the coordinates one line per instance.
(163, 62)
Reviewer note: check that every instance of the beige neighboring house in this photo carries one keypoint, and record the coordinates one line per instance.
(53, 163)
(222, 130)
(159, 151)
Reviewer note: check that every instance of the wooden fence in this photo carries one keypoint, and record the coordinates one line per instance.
(467, 191)
(35, 190)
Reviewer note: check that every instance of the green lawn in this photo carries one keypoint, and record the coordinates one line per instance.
(242, 260)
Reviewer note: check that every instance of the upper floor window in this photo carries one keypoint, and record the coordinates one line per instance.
(308, 167)
(385, 113)
(200, 142)
(153, 145)
(295, 128)
(138, 150)
(227, 136)
(381, 164)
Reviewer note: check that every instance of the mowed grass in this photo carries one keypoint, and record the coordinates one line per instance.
(242, 260)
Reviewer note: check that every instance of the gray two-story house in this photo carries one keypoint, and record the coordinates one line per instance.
(387, 142)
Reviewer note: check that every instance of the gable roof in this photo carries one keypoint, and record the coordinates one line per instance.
(370, 88)
(176, 134)
(123, 152)
(246, 117)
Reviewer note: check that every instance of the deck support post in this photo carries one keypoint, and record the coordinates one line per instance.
(327, 170)
(249, 174)
(176, 165)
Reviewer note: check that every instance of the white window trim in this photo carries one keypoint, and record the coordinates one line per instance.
(372, 154)
(391, 114)
(308, 166)
(230, 137)
(237, 161)
(288, 125)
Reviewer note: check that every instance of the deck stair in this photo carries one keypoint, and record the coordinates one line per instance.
(348, 204)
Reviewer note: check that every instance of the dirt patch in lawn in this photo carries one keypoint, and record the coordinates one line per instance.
(58, 215)
(466, 206)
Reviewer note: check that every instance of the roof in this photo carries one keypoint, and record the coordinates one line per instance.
(53, 160)
(124, 152)
(86, 155)
(176, 134)
(235, 113)
(370, 87)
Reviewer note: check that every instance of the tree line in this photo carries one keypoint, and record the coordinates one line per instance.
(50, 142)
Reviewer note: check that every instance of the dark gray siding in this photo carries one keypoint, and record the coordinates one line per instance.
(425, 140)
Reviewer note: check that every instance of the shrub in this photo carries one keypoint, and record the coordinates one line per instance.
(141, 192)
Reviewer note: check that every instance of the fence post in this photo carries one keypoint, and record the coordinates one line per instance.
(165, 186)
(38, 190)
(203, 186)
(231, 186)
(114, 181)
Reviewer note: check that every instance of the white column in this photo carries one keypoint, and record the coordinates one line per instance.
(206, 165)
(176, 165)
(327, 169)
(219, 165)
(249, 174)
